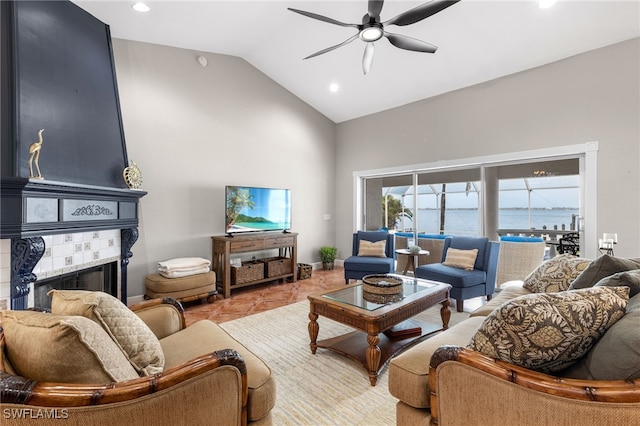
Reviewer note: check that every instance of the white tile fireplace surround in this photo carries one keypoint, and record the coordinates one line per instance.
(63, 253)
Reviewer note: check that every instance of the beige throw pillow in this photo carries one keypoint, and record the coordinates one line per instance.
(463, 259)
(372, 249)
(556, 274)
(62, 349)
(548, 332)
(133, 336)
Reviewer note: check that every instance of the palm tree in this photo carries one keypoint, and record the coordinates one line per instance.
(237, 199)
(393, 210)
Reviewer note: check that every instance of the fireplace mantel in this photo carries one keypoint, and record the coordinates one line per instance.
(32, 207)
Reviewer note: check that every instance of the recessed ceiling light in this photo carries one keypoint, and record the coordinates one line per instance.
(333, 87)
(545, 4)
(141, 7)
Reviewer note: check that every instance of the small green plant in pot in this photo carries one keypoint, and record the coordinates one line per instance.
(328, 256)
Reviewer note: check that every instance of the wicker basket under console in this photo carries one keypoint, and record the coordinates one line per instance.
(276, 266)
(249, 271)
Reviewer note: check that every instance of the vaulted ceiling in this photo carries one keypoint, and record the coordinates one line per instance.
(477, 41)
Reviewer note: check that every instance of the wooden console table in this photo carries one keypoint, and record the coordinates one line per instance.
(224, 246)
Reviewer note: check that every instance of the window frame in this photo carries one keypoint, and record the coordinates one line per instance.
(586, 154)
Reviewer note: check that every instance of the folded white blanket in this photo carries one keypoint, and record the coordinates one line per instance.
(183, 264)
(180, 274)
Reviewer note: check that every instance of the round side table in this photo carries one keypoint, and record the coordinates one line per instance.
(412, 259)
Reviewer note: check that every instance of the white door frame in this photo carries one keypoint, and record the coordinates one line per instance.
(586, 152)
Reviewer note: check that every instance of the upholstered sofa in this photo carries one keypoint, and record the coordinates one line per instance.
(92, 361)
(449, 379)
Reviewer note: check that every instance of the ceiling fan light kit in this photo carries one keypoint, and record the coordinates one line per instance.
(372, 29)
(371, 34)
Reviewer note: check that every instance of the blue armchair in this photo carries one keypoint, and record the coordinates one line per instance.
(481, 281)
(356, 267)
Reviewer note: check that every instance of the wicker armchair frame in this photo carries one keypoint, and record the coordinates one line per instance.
(21, 390)
(607, 391)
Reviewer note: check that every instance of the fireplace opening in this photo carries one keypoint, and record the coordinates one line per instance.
(97, 278)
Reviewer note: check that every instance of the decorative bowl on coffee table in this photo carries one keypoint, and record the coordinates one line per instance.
(380, 288)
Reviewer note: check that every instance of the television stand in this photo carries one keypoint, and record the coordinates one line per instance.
(223, 246)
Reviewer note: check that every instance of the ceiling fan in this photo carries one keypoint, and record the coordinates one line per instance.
(372, 30)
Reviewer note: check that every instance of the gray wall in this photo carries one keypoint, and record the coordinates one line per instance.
(594, 96)
(193, 130)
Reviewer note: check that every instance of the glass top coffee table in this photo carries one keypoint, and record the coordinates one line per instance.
(382, 328)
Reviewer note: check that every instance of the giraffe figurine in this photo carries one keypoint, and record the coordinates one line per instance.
(34, 150)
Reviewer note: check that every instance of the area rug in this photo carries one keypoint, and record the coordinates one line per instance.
(321, 389)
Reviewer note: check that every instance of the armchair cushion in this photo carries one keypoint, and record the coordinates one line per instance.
(556, 274)
(372, 249)
(51, 348)
(409, 371)
(370, 265)
(131, 334)
(464, 259)
(550, 331)
(457, 277)
(210, 337)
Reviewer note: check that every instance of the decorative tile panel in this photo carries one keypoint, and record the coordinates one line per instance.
(63, 254)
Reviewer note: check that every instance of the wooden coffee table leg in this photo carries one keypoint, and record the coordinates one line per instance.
(445, 313)
(373, 357)
(313, 327)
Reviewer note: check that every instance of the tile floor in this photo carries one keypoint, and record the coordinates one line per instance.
(262, 297)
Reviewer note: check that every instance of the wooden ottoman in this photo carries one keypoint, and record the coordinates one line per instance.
(184, 289)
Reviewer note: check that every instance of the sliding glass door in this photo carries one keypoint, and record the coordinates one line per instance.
(537, 197)
(449, 202)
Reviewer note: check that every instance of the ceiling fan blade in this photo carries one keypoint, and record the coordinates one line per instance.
(329, 49)
(322, 18)
(375, 7)
(420, 12)
(367, 59)
(408, 43)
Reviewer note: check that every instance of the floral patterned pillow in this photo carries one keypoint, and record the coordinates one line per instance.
(548, 332)
(556, 274)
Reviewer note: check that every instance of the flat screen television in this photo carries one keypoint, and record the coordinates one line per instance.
(252, 209)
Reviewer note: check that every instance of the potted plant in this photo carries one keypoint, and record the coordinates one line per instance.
(327, 256)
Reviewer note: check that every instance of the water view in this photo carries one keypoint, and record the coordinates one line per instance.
(466, 221)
